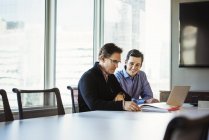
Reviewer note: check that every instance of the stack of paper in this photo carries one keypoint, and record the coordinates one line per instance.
(158, 107)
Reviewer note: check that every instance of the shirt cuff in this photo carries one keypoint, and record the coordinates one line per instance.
(123, 105)
(138, 101)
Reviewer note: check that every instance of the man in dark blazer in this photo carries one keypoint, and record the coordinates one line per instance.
(98, 88)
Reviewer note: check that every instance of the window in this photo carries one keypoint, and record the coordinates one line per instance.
(74, 48)
(22, 48)
(140, 24)
(143, 25)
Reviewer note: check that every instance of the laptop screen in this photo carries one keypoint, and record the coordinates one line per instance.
(178, 95)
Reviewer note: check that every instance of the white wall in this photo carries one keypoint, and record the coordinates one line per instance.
(198, 78)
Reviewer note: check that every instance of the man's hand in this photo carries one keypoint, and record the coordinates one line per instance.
(131, 106)
(152, 100)
(119, 97)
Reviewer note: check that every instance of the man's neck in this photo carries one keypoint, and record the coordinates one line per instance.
(103, 71)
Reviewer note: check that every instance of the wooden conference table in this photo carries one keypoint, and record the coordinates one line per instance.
(96, 125)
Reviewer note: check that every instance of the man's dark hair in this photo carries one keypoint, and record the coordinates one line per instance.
(108, 49)
(134, 53)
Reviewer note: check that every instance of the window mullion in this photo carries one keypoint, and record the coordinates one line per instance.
(50, 49)
(98, 26)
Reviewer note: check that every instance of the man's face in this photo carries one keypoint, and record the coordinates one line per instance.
(111, 63)
(133, 65)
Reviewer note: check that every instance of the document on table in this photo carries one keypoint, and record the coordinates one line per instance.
(158, 107)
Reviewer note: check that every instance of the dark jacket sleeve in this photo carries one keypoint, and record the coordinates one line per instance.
(93, 97)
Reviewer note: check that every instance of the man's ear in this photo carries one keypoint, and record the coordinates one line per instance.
(101, 58)
(126, 62)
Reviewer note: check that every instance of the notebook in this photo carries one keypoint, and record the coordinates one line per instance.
(175, 101)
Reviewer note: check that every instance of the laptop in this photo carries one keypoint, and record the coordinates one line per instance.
(175, 100)
(178, 95)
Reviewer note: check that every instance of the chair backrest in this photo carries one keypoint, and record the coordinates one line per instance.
(72, 98)
(7, 110)
(60, 108)
(181, 128)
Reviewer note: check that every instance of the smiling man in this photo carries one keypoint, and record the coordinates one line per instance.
(133, 80)
(98, 88)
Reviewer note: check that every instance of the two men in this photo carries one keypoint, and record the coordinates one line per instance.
(98, 88)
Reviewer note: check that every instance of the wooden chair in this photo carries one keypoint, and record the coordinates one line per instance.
(72, 99)
(181, 128)
(60, 108)
(7, 110)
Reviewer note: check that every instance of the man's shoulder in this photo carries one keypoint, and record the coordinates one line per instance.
(142, 73)
(90, 72)
(119, 74)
